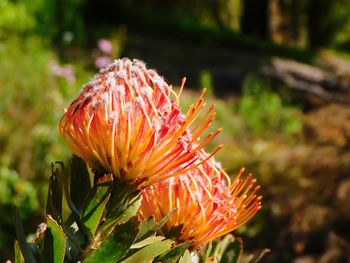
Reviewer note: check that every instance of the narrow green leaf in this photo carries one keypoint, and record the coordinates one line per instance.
(75, 212)
(208, 250)
(222, 245)
(54, 197)
(130, 211)
(146, 229)
(147, 241)
(80, 184)
(54, 242)
(150, 227)
(258, 257)
(93, 211)
(122, 195)
(174, 232)
(26, 251)
(233, 252)
(174, 254)
(246, 259)
(186, 258)
(18, 254)
(76, 238)
(116, 245)
(147, 254)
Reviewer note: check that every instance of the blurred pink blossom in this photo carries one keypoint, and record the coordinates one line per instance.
(102, 61)
(65, 72)
(105, 45)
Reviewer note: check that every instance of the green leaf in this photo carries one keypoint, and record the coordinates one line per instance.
(174, 254)
(26, 251)
(75, 212)
(186, 258)
(233, 252)
(18, 254)
(147, 242)
(76, 238)
(147, 229)
(122, 195)
(208, 250)
(130, 211)
(258, 257)
(150, 227)
(149, 252)
(222, 246)
(174, 232)
(246, 259)
(80, 184)
(54, 242)
(116, 245)
(93, 211)
(54, 197)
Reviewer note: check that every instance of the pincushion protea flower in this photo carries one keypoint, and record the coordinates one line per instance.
(207, 204)
(127, 121)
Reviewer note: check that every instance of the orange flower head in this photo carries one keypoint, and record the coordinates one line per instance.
(127, 121)
(207, 204)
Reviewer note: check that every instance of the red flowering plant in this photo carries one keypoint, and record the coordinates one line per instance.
(127, 121)
(140, 187)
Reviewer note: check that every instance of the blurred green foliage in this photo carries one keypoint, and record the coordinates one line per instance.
(259, 111)
(32, 99)
(18, 192)
(61, 21)
(328, 22)
(58, 22)
(31, 107)
(206, 81)
(222, 13)
(264, 112)
(14, 18)
(14, 192)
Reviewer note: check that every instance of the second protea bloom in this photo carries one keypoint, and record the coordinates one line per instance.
(207, 205)
(127, 121)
